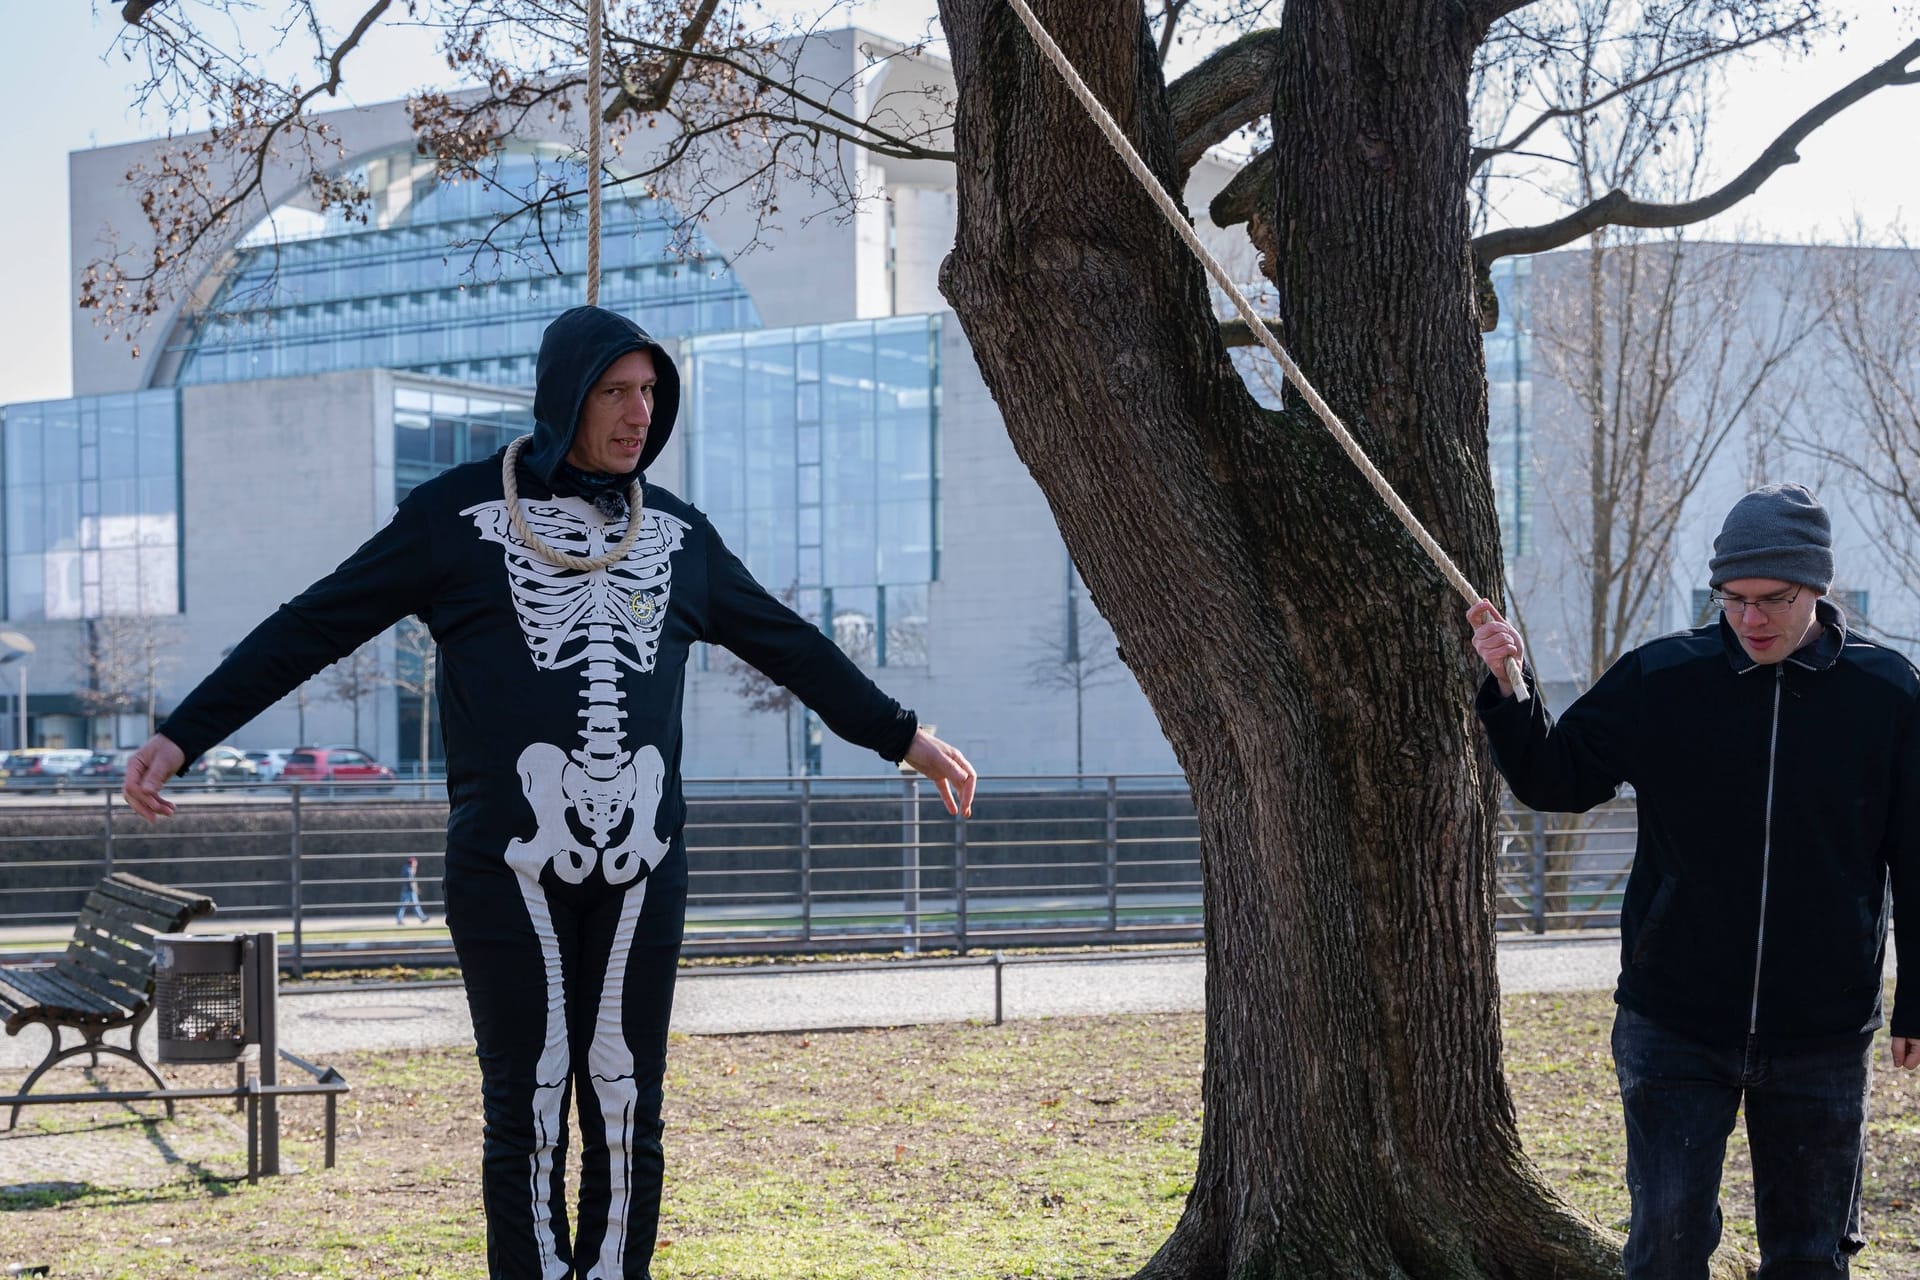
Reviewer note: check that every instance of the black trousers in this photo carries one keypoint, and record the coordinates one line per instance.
(1806, 1128)
(570, 987)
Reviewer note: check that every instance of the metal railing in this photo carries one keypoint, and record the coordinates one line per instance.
(1559, 871)
(776, 865)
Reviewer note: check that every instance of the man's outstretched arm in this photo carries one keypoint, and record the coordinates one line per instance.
(389, 577)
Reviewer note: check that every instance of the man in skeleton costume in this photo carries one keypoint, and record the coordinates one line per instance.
(565, 594)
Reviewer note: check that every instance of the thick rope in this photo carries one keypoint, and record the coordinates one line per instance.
(510, 486)
(593, 151)
(1177, 219)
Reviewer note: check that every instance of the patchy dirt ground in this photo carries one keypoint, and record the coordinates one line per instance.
(1044, 1149)
(1061, 1148)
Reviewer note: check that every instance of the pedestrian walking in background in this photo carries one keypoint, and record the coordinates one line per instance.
(410, 893)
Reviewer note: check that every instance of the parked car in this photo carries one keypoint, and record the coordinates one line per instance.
(105, 764)
(224, 764)
(43, 766)
(270, 763)
(334, 764)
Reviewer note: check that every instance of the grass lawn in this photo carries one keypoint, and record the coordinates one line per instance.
(1056, 1148)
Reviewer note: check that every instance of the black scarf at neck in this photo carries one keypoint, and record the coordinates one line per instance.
(607, 493)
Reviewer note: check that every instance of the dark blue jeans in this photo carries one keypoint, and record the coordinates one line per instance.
(1806, 1128)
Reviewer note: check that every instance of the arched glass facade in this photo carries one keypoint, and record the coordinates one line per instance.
(312, 293)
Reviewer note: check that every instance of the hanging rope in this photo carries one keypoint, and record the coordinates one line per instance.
(594, 40)
(509, 481)
(1177, 219)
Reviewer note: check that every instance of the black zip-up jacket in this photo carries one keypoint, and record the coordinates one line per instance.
(1776, 804)
(560, 692)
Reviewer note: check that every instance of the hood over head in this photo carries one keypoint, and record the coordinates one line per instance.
(574, 351)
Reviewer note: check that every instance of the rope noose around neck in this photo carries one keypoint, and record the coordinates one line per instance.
(553, 555)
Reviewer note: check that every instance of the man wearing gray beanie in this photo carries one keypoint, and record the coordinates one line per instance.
(1775, 762)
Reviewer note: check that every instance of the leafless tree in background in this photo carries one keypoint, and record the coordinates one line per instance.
(1865, 423)
(1074, 654)
(121, 660)
(357, 676)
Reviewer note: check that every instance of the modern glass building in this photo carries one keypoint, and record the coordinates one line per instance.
(92, 506)
(440, 279)
(434, 429)
(816, 452)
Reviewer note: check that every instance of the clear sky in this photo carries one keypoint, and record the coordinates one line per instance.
(62, 89)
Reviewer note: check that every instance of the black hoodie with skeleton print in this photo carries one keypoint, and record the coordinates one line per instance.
(560, 692)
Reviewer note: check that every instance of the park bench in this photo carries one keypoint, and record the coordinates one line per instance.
(104, 980)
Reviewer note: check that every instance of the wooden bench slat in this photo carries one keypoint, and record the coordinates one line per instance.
(130, 948)
(95, 927)
(128, 918)
(110, 967)
(191, 900)
(75, 995)
(164, 903)
(107, 987)
(61, 1000)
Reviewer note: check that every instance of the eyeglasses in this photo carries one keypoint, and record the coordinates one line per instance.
(1771, 606)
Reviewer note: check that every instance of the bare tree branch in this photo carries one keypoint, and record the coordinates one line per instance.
(737, 115)
(1238, 333)
(1230, 89)
(655, 96)
(1246, 194)
(182, 209)
(1617, 208)
(1482, 155)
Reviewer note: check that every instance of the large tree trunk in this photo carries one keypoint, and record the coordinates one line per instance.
(1307, 664)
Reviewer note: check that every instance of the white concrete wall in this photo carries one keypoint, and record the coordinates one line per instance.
(281, 483)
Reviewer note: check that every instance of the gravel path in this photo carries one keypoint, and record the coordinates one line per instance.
(719, 1001)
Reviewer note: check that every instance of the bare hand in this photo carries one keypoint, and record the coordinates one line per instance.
(1495, 640)
(948, 769)
(147, 772)
(1906, 1052)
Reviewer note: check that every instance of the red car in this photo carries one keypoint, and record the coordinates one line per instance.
(333, 764)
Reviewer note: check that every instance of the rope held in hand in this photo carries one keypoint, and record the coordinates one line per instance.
(1177, 220)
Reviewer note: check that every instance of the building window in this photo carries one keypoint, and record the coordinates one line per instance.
(309, 293)
(434, 430)
(92, 506)
(816, 452)
(1856, 603)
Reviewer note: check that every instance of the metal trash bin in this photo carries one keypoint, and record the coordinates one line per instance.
(216, 996)
(200, 1000)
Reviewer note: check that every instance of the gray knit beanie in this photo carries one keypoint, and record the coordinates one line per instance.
(1778, 531)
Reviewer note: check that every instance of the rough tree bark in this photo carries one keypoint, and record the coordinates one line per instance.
(1357, 1122)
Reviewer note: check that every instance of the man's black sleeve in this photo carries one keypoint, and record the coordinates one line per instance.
(792, 652)
(1903, 866)
(389, 577)
(1572, 765)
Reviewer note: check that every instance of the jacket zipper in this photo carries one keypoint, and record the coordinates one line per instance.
(1766, 852)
